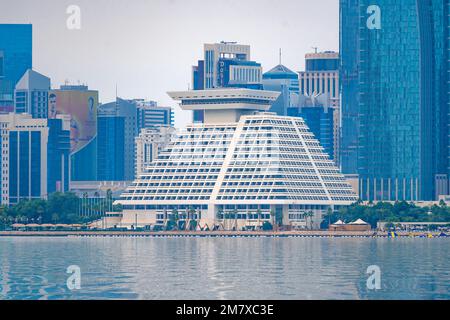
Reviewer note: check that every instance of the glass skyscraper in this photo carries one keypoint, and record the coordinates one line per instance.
(318, 115)
(15, 59)
(349, 52)
(58, 155)
(111, 148)
(395, 112)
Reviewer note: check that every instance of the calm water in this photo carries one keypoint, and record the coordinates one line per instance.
(224, 268)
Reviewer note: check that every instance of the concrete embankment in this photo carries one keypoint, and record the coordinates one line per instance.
(209, 234)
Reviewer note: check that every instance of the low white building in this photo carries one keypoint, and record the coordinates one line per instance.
(241, 167)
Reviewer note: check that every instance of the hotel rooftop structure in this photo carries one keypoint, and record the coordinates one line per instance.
(238, 168)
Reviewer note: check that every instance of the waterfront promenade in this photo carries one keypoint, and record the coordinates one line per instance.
(216, 234)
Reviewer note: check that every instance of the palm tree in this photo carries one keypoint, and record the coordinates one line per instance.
(329, 213)
(309, 215)
(279, 218)
(272, 218)
(220, 218)
(175, 218)
(96, 207)
(84, 205)
(109, 199)
(258, 212)
(191, 215)
(247, 219)
(3, 217)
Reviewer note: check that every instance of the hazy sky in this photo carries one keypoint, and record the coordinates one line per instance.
(147, 47)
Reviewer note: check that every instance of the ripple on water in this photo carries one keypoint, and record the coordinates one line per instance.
(223, 268)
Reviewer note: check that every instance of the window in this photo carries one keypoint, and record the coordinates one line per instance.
(1, 64)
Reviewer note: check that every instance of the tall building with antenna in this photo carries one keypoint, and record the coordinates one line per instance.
(225, 65)
(282, 79)
(321, 75)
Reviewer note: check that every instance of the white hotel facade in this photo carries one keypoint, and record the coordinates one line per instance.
(241, 167)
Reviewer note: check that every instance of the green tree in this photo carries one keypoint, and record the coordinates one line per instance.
(309, 216)
(64, 206)
(174, 217)
(235, 214)
(272, 218)
(259, 213)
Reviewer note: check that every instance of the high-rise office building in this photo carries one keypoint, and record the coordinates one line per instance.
(150, 115)
(284, 80)
(321, 76)
(214, 56)
(31, 94)
(198, 75)
(349, 74)
(119, 123)
(58, 155)
(237, 168)
(16, 57)
(35, 157)
(81, 104)
(225, 65)
(239, 74)
(149, 144)
(110, 147)
(318, 113)
(117, 128)
(399, 116)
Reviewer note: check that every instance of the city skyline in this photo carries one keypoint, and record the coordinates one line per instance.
(136, 48)
(225, 149)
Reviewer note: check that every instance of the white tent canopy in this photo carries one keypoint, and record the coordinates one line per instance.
(339, 223)
(359, 222)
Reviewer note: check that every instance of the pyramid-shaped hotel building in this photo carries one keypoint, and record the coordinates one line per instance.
(238, 168)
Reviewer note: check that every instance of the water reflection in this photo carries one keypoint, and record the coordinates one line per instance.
(223, 268)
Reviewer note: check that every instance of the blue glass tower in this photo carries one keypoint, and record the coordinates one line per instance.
(396, 110)
(15, 59)
(58, 155)
(111, 148)
(320, 120)
(349, 52)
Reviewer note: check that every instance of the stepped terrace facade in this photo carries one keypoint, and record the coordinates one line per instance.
(240, 167)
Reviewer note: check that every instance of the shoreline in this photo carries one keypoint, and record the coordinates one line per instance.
(217, 234)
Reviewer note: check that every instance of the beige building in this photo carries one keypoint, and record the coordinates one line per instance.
(149, 143)
(322, 76)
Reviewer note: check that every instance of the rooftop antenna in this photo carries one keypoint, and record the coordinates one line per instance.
(117, 102)
(280, 55)
(315, 49)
